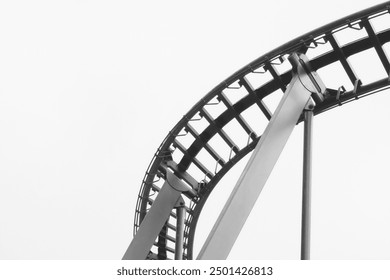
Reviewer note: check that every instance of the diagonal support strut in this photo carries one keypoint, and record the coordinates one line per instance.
(168, 198)
(305, 84)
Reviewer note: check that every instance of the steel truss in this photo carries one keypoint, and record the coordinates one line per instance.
(185, 161)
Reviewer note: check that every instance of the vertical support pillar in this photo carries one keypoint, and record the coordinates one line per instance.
(306, 185)
(180, 218)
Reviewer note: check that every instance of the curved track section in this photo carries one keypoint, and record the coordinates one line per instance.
(226, 124)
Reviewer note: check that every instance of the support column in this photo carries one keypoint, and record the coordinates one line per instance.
(180, 219)
(306, 184)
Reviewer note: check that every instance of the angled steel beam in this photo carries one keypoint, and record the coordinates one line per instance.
(223, 235)
(156, 217)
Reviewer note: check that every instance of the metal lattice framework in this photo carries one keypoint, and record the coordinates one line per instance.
(193, 149)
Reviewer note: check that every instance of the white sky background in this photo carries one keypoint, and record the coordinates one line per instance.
(89, 89)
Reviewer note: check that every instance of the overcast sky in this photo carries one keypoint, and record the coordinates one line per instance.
(89, 89)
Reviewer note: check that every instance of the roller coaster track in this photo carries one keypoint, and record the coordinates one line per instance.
(202, 147)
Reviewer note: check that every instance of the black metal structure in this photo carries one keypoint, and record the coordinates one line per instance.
(193, 148)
